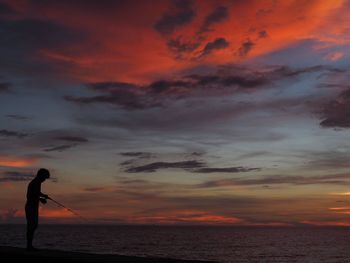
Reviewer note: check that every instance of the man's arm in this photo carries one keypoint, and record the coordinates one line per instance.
(43, 195)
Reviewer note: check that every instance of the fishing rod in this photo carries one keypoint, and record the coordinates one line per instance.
(70, 210)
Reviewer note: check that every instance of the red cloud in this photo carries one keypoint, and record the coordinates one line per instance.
(16, 161)
(326, 223)
(186, 216)
(121, 43)
(59, 213)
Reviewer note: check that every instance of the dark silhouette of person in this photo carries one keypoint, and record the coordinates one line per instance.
(34, 196)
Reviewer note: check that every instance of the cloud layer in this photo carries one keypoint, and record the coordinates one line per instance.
(175, 111)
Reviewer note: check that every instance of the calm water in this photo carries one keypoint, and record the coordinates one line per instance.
(224, 244)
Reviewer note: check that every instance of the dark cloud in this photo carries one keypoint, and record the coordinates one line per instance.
(17, 117)
(218, 43)
(5, 87)
(245, 48)
(136, 154)
(127, 96)
(110, 86)
(34, 34)
(190, 166)
(12, 176)
(182, 47)
(7, 133)
(128, 162)
(244, 81)
(77, 139)
(263, 34)
(96, 189)
(60, 148)
(134, 182)
(178, 45)
(284, 71)
(51, 140)
(252, 155)
(197, 154)
(125, 101)
(160, 93)
(340, 179)
(27, 40)
(336, 112)
(163, 86)
(182, 14)
(153, 167)
(218, 15)
(237, 169)
(96, 6)
(328, 160)
(5, 9)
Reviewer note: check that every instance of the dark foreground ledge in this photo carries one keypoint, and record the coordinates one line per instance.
(54, 256)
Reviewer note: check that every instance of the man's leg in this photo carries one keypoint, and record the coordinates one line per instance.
(32, 224)
(30, 236)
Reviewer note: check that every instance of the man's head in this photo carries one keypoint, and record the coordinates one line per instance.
(43, 174)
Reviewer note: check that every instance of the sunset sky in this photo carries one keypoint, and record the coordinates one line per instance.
(177, 112)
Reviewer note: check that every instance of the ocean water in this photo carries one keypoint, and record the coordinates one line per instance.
(223, 244)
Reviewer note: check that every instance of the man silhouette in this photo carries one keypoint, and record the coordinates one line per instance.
(34, 195)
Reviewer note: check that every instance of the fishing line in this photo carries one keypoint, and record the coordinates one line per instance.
(70, 210)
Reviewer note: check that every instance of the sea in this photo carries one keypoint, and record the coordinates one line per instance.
(214, 243)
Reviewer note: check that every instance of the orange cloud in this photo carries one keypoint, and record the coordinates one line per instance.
(8, 185)
(11, 213)
(326, 223)
(55, 213)
(271, 224)
(209, 218)
(334, 56)
(126, 46)
(186, 216)
(16, 161)
(339, 208)
(344, 193)
(344, 212)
